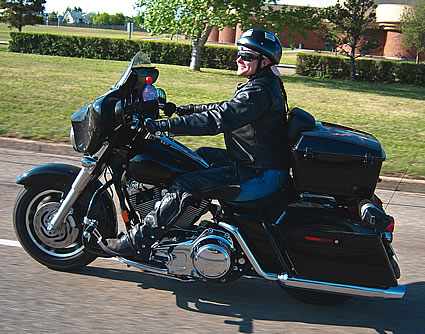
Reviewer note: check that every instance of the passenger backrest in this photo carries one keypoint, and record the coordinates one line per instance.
(299, 120)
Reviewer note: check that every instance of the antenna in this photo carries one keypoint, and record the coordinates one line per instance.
(398, 185)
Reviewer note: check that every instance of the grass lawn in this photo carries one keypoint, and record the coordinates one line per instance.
(39, 94)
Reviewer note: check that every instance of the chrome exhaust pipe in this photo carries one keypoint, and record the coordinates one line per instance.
(143, 267)
(352, 290)
(159, 272)
(292, 282)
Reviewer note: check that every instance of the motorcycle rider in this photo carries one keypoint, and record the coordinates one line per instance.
(255, 162)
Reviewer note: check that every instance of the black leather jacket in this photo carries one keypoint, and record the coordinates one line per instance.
(253, 122)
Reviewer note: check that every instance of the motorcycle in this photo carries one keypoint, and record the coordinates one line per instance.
(323, 236)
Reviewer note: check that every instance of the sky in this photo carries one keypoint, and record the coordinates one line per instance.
(126, 6)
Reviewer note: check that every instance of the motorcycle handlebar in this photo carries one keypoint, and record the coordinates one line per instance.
(169, 109)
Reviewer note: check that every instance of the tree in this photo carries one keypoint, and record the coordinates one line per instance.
(19, 13)
(351, 22)
(107, 19)
(299, 19)
(196, 18)
(412, 26)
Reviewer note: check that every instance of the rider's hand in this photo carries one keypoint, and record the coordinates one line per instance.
(156, 126)
(185, 110)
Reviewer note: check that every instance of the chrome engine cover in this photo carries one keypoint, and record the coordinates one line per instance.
(211, 256)
(208, 256)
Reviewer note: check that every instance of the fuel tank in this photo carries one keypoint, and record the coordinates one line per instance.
(161, 160)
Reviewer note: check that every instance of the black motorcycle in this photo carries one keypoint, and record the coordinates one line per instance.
(324, 236)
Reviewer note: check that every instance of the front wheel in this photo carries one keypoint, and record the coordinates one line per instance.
(62, 250)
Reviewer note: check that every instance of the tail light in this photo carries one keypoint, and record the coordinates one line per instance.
(390, 227)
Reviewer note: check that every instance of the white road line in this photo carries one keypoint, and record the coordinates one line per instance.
(11, 243)
(14, 243)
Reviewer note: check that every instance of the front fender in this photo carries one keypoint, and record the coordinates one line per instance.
(43, 174)
(56, 174)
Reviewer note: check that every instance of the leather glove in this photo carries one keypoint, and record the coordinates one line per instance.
(185, 110)
(156, 126)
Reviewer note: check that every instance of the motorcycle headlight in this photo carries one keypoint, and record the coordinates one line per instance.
(72, 139)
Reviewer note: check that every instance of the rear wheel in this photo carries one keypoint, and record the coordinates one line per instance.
(61, 250)
(315, 297)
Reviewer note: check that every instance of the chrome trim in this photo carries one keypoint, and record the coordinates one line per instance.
(392, 293)
(78, 186)
(235, 232)
(143, 267)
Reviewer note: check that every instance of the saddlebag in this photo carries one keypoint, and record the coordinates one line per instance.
(323, 245)
(336, 160)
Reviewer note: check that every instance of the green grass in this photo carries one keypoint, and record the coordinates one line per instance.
(40, 93)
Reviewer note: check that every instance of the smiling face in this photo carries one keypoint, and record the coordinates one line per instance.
(247, 62)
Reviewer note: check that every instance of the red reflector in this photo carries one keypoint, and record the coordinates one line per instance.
(390, 227)
(124, 215)
(319, 239)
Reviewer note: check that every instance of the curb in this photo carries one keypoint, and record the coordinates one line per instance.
(38, 146)
(386, 183)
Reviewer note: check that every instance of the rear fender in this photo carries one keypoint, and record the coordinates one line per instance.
(59, 174)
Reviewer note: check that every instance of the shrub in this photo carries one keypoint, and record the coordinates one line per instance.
(120, 49)
(385, 71)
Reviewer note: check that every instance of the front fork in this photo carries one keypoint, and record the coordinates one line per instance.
(78, 186)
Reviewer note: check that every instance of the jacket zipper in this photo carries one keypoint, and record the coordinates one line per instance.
(243, 150)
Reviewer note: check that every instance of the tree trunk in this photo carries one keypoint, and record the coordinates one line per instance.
(417, 57)
(197, 48)
(353, 64)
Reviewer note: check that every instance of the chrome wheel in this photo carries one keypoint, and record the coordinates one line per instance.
(63, 241)
(61, 249)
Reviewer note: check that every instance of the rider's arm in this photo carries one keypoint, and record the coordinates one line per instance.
(248, 103)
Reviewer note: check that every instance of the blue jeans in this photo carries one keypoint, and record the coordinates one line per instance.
(228, 181)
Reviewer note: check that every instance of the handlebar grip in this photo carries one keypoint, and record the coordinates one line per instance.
(169, 109)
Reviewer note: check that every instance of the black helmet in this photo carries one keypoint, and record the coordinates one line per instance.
(262, 41)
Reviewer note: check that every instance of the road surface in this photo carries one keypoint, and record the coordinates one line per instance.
(108, 297)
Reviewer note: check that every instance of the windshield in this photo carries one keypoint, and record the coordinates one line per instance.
(140, 59)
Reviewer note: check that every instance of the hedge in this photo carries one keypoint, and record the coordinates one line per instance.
(163, 52)
(373, 70)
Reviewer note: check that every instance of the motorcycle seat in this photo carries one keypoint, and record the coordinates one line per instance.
(269, 201)
(261, 191)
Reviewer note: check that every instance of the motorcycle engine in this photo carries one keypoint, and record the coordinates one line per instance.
(209, 256)
(143, 198)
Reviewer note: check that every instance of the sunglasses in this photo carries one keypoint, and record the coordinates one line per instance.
(245, 56)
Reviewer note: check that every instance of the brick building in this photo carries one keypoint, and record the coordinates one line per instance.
(388, 15)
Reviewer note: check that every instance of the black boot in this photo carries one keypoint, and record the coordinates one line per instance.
(137, 243)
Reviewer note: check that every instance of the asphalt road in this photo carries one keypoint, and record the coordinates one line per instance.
(107, 297)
